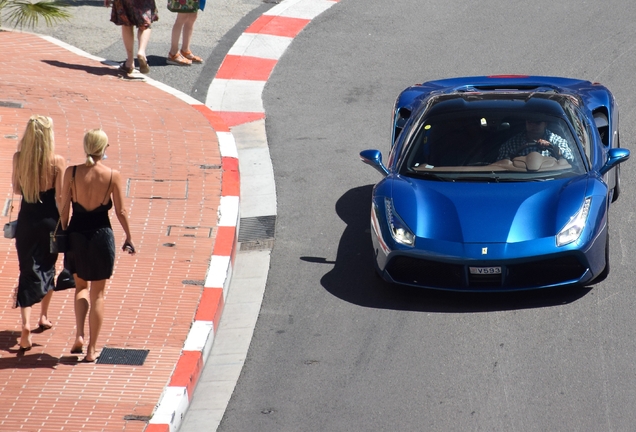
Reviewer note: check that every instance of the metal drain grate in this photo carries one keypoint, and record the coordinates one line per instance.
(119, 356)
(257, 233)
(257, 228)
(10, 104)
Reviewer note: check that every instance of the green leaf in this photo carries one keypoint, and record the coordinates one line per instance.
(23, 13)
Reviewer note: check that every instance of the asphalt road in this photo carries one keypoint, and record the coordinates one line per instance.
(336, 349)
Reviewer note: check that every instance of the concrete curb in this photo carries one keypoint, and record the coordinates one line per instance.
(177, 395)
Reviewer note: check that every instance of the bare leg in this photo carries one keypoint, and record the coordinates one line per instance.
(81, 310)
(128, 36)
(188, 28)
(25, 338)
(96, 317)
(143, 35)
(177, 28)
(44, 320)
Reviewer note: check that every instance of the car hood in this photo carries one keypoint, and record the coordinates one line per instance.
(487, 212)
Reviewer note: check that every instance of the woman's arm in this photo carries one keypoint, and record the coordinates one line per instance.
(65, 202)
(120, 210)
(60, 167)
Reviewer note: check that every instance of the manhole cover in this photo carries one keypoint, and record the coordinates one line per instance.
(119, 356)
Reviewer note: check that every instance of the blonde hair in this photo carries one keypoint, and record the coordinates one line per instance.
(36, 157)
(95, 143)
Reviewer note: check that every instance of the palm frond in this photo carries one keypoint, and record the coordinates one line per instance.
(23, 13)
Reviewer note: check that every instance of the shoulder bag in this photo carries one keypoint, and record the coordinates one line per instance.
(11, 227)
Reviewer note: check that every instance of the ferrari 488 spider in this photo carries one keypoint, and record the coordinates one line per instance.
(497, 183)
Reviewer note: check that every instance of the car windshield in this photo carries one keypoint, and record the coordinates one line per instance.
(492, 145)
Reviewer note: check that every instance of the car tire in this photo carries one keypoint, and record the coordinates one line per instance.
(603, 275)
(617, 185)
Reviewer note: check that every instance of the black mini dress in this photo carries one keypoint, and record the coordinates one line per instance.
(91, 252)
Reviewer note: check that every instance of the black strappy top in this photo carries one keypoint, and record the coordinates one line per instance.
(84, 220)
(44, 208)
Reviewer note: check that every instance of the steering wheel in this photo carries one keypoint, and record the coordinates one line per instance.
(553, 151)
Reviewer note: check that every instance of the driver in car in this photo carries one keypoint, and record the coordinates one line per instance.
(536, 138)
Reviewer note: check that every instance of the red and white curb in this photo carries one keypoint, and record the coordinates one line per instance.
(177, 395)
(236, 92)
(234, 98)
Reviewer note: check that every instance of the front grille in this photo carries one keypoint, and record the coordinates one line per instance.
(544, 272)
(484, 281)
(414, 271)
(433, 274)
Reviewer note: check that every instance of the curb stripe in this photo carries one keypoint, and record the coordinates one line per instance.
(278, 26)
(200, 335)
(227, 145)
(224, 241)
(247, 68)
(239, 118)
(210, 306)
(235, 95)
(229, 184)
(188, 370)
(260, 45)
(228, 211)
(215, 120)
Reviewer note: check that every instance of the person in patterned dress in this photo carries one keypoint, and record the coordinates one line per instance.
(129, 14)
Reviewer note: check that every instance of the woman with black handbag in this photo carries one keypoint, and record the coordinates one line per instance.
(94, 188)
(37, 176)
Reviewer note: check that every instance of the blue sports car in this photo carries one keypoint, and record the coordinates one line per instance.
(497, 183)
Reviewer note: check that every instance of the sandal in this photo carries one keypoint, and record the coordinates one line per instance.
(193, 58)
(124, 69)
(143, 64)
(178, 60)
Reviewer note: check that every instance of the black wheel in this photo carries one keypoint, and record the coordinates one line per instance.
(617, 184)
(603, 275)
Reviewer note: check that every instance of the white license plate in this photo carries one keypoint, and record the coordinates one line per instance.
(485, 270)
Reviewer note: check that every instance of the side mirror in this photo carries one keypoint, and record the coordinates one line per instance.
(374, 158)
(615, 157)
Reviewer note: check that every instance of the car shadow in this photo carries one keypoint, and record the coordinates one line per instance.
(353, 277)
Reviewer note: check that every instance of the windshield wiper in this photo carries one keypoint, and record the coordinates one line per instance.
(431, 176)
(483, 179)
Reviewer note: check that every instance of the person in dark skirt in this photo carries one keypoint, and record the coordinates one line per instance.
(37, 176)
(92, 189)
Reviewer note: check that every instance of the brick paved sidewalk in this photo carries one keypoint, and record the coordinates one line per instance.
(169, 155)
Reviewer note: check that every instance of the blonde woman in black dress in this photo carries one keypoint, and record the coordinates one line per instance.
(94, 188)
(37, 176)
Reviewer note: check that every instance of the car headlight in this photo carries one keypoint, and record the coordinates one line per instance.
(573, 229)
(399, 231)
